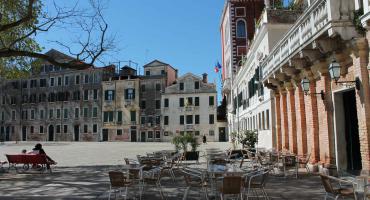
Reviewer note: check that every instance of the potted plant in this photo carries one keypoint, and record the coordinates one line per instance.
(249, 139)
(181, 142)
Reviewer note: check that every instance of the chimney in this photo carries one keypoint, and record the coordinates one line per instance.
(205, 78)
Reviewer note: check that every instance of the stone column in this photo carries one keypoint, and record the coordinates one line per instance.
(284, 119)
(292, 119)
(278, 121)
(363, 98)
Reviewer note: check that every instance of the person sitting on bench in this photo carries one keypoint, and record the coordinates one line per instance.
(39, 150)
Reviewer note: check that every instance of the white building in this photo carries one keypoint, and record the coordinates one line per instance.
(252, 105)
(190, 105)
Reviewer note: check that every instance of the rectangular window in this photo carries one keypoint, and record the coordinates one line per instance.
(95, 112)
(58, 113)
(95, 94)
(43, 82)
(157, 104)
(130, 93)
(65, 113)
(59, 81)
(41, 114)
(263, 121)
(259, 121)
(13, 115)
(211, 119)
(142, 120)
(86, 112)
(32, 129)
(76, 95)
(119, 116)
(51, 82)
(157, 86)
(166, 103)
(267, 119)
(77, 113)
(109, 95)
(119, 131)
(189, 101)
(86, 78)
(85, 128)
(196, 101)
(95, 128)
(211, 100)
(196, 119)
(211, 133)
(165, 120)
(2, 116)
(196, 85)
(51, 113)
(189, 119)
(163, 72)
(86, 95)
(108, 116)
(32, 114)
(24, 84)
(181, 86)
(181, 119)
(133, 116)
(150, 134)
(77, 79)
(181, 100)
(197, 133)
(157, 134)
(158, 120)
(142, 88)
(143, 104)
(65, 129)
(147, 73)
(4, 100)
(41, 130)
(58, 129)
(66, 80)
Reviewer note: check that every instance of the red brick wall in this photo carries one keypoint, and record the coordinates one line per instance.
(301, 121)
(278, 122)
(292, 121)
(284, 120)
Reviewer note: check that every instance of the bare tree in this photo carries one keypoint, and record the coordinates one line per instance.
(22, 20)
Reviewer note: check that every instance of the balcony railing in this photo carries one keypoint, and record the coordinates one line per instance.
(319, 18)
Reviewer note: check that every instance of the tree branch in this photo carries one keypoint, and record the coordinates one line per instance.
(24, 19)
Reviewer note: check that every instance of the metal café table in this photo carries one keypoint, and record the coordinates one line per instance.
(360, 180)
(214, 171)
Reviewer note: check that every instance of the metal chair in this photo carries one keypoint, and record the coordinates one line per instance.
(118, 181)
(303, 160)
(256, 180)
(231, 185)
(194, 179)
(334, 193)
(155, 180)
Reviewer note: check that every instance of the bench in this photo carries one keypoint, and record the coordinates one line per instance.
(28, 159)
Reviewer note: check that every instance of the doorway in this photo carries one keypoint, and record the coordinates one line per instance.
(347, 133)
(142, 136)
(24, 133)
(222, 134)
(51, 133)
(352, 134)
(77, 133)
(105, 135)
(133, 136)
(7, 133)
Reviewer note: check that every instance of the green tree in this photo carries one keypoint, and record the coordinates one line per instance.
(22, 20)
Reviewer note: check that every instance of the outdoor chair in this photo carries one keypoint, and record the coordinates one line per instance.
(290, 162)
(335, 193)
(303, 160)
(118, 181)
(168, 167)
(194, 179)
(231, 185)
(256, 180)
(154, 179)
(130, 161)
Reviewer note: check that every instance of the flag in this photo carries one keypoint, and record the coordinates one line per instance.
(217, 67)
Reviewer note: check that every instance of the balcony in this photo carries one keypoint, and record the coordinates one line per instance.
(321, 20)
(226, 87)
(189, 127)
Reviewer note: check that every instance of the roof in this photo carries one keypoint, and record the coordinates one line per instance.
(156, 63)
(59, 56)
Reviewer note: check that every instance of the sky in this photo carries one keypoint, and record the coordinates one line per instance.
(184, 34)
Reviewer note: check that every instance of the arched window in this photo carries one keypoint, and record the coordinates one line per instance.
(240, 29)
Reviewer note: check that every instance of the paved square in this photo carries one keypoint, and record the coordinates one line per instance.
(82, 173)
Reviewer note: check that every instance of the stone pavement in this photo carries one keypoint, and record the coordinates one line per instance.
(82, 173)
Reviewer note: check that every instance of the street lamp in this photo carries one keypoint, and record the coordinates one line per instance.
(334, 71)
(305, 83)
